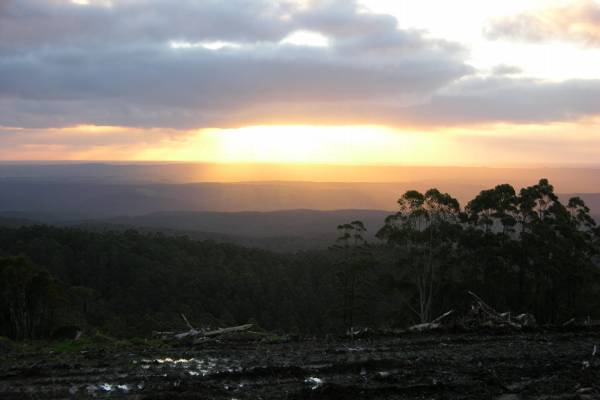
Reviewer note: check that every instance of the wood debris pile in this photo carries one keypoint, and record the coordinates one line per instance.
(481, 315)
(198, 336)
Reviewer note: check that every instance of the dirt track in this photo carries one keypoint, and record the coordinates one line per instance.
(433, 366)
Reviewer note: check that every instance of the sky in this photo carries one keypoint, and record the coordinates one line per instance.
(396, 82)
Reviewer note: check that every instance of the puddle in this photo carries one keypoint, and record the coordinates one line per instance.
(193, 366)
(105, 387)
(314, 382)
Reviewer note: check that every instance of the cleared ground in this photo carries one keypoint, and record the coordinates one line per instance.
(537, 365)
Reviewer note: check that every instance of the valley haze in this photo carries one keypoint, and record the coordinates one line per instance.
(183, 198)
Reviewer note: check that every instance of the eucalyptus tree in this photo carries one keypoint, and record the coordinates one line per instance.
(494, 205)
(29, 297)
(424, 232)
(580, 214)
(537, 203)
(557, 249)
(488, 247)
(354, 247)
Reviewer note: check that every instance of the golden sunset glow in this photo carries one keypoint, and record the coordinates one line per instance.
(296, 144)
(372, 145)
(490, 144)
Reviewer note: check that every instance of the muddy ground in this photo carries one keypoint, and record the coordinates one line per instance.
(537, 365)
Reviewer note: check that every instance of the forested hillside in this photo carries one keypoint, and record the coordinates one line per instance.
(521, 252)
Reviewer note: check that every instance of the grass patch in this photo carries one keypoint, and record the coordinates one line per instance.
(68, 346)
(95, 342)
(100, 341)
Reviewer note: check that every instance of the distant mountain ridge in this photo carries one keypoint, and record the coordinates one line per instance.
(305, 223)
(288, 230)
(59, 201)
(280, 231)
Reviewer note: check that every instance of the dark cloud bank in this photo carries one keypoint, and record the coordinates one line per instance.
(64, 64)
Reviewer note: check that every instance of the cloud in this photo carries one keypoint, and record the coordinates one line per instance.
(496, 99)
(64, 63)
(111, 63)
(578, 22)
(468, 102)
(31, 24)
(504, 69)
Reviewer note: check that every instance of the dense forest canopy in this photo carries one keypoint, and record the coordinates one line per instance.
(522, 251)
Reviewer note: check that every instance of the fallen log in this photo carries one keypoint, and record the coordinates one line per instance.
(442, 317)
(187, 322)
(492, 314)
(190, 333)
(526, 320)
(426, 326)
(485, 308)
(199, 336)
(433, 325)
(218, 332)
